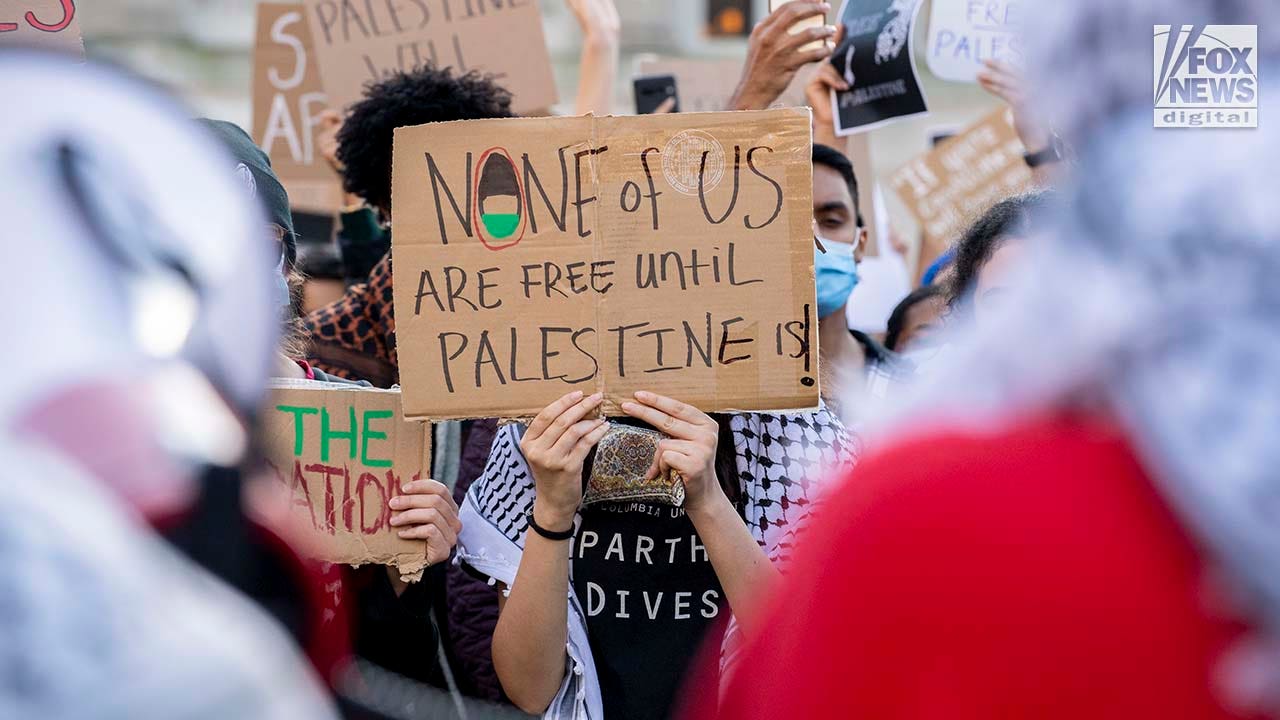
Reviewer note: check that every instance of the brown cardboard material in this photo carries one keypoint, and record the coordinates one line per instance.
(340, 483)
(858, 150)
(751, 225)
(45, 24)
(949, 187)
(287, 102)
(358, 42)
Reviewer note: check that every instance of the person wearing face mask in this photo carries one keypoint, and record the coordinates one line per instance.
(853, 364)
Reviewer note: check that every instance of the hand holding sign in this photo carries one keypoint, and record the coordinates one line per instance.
(426, 511)
(775, 54)
(330, 122)
(555, 446)
(817, 93)
(689, 449)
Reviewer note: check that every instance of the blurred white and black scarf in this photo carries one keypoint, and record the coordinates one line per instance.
(1154, 293)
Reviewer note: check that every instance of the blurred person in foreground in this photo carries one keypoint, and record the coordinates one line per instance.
(393, 624)
(1078, 518)
(141, 349)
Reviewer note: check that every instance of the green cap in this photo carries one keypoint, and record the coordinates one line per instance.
(255, 169)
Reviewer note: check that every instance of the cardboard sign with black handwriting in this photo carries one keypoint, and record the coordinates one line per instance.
(951, 185)
(287, 102)
(45, 24)
(362, 41)
(343, 453)
(670, 253)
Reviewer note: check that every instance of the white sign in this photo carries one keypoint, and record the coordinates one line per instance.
(964, 33)
(1206, 76)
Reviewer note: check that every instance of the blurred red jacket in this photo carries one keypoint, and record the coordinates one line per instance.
(1034, 573)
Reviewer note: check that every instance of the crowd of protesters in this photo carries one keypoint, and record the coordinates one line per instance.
(1047, 490)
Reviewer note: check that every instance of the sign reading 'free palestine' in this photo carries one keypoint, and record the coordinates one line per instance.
(670, 253)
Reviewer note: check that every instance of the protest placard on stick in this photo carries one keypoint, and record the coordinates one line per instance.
(670, 253)
(342, 453)
(964, 33)
(951, 185)
(287, 102)
(359, 42)
(44, 24)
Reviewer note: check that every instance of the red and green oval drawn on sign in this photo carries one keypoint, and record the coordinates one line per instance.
(499, 200)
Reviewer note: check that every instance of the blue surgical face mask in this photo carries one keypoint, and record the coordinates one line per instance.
(280, 293)
(836, 274)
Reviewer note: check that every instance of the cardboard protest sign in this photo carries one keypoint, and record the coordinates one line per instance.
(343, 452)
(949, 186)
(964, 33)
(287, 102)
(359, 42)
(875, 59)
(706, 85)
(46, 24)
(670, 253)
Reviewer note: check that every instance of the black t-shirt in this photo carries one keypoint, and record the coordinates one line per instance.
(649, 592)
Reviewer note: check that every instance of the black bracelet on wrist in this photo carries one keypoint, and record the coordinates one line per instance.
(550, 534)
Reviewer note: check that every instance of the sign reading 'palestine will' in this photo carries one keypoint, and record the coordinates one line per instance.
(671, 253)
(362, 41)
(288, 101)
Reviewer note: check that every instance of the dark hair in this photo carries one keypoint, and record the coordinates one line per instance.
(828, 156)
(898, 318)
(1007, 218)
(403, 99)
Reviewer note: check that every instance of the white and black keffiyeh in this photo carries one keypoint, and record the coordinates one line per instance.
(1152, 294)
(781, 463)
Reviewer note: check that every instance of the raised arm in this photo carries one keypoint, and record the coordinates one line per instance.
(598, 67)
(740, 563)
(775, 55)
(529, 641)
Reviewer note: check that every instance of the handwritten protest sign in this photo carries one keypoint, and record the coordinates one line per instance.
(670, 253)
(964, 33)
(287, 102)
(949, 186)
(875, 59)
(358, 42)
(343, 453)
(47, 24)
